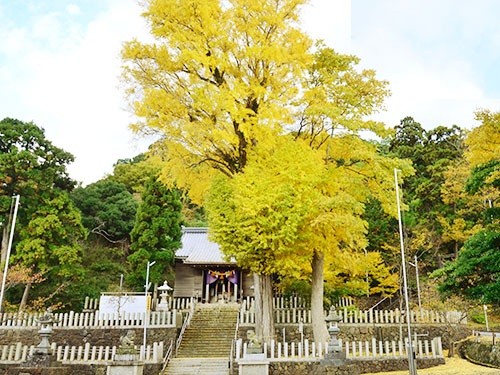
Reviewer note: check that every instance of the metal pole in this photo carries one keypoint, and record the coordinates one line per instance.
(411, 358)
(146, 314)
(418, 284)
(418, 281)
(485, 308)
(366, 276)
(9, 247)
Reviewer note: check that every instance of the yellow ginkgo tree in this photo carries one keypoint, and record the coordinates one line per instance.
(229, 85)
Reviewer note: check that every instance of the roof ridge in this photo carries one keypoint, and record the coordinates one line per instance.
(194, 229)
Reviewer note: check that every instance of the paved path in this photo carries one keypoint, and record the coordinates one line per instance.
(453, 366)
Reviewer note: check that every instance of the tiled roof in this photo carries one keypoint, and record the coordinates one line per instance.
(196, 248)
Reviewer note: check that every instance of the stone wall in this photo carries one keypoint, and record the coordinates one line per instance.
(352, 367)
(481, 353)
(73, 370)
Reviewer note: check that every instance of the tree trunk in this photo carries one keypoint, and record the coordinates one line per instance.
(320, 331)
(24, 300)
(264, 317)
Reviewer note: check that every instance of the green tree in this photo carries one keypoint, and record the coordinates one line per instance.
(475, 274)
(156, 234)
(134, 173)
(30, 165)
(108, 210)
(432, 153)
(51, 245)
(48, 229)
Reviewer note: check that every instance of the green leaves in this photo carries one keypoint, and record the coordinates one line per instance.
(156, 234)
(475, 274)
(108, 209)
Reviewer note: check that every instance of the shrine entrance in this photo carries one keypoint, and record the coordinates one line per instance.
(221, 285)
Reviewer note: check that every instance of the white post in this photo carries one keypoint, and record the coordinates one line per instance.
(485, 308)
(9, 247)
(418, 282)
(411, 359)
(146, 313)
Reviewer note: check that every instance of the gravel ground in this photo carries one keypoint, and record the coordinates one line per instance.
(453, 366)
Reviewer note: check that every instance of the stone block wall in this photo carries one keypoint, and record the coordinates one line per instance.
(482, 353)
(71, 369)
(353, 367)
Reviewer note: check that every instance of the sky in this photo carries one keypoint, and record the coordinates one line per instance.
(60, 65)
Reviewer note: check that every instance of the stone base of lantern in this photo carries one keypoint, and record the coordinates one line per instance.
(254, 364)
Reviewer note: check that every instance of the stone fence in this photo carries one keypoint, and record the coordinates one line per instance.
(86, 354)
(369, 350)
(91, 319)
(396, 316)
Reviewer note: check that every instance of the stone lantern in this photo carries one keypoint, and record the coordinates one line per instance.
(46, 322)
(164, 290)
(335, 354)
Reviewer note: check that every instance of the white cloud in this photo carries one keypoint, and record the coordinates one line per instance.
(70, 82)
(73, 9)
(430, 53)
(329, 20)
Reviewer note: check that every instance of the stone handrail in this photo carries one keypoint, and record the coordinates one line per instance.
(233, 344)
(168, 356)
(186, 323)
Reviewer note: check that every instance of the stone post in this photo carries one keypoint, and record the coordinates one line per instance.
(127, 360)
(42, 361)
(254, 362)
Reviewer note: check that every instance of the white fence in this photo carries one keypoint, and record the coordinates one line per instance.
(178, 303)
(294, 302)
(300, 351)
(301, 315)
(88, 355)
(71, 319)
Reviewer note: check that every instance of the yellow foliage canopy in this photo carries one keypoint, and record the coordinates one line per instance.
(262, 126)
(484, 141)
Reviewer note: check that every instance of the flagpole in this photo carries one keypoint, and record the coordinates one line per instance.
(9, 247)
(411, 358)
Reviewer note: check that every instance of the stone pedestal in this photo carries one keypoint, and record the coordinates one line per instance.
(126, 364)
(345, 368)
(40, 364)
(254, 364)
(334, 359)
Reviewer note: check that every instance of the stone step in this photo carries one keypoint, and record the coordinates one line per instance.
(192, 366)
(209, 336)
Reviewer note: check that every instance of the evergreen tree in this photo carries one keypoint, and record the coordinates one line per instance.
(48, 228)
(156, 234)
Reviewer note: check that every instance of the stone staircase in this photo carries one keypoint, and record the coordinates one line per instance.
(197, 366)
(206, 343)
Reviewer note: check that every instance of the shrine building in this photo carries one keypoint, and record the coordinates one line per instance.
(202, 272)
